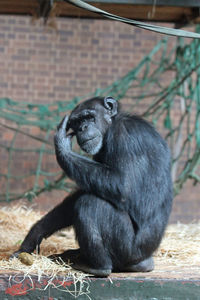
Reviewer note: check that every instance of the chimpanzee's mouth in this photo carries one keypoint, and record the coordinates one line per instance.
(89, 140)
(91, 145)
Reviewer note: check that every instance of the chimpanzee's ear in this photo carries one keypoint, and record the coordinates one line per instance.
(111, 105)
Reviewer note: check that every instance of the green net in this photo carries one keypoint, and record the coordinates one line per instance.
(164, 88)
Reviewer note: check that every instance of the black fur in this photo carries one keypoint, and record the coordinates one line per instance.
(125, 193)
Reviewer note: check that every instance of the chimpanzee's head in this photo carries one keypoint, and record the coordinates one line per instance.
(90, 121)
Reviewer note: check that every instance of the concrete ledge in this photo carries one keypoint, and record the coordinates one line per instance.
(15, 286)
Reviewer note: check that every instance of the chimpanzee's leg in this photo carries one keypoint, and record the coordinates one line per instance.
(105, 236)
(88, 218)
(61, 216)
(107, 239)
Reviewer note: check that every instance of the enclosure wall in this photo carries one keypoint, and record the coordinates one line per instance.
(72, 57)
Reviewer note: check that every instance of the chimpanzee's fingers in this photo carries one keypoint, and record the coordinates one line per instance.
(63, 123)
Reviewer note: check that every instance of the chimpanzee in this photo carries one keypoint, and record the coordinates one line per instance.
(122, 205)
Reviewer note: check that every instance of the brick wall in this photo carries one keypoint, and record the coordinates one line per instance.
(40, 65)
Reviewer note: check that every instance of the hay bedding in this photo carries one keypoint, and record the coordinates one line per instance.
(15, 222)
(180, 247)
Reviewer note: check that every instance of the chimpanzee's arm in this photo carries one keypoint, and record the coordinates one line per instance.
(61, 216)
(91, 176)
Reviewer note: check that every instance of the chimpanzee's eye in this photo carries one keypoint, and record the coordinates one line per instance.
(89, 118)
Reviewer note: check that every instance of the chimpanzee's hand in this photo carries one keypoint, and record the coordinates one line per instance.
(62, 140)
(63, 124)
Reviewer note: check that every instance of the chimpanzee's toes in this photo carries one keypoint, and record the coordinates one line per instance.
(87, 269)
(73, 256)
(69, 255)
(146, 265)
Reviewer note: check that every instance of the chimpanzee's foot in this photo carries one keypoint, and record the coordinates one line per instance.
(69, 255)
(146, 265)
(87, 269)
(73, 255)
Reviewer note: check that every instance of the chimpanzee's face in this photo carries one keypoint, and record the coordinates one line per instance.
(90, 121)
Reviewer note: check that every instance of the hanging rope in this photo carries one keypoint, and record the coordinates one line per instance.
(151, 27)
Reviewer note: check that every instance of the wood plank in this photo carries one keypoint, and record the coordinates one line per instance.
(183, 3)
(137, 12)
(19, 7)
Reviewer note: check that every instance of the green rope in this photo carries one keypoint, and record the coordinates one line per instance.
(146, 93)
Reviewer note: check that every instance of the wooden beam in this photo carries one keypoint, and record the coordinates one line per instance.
(137, 12)
(182, 3)
(30, 7)
(160, 13)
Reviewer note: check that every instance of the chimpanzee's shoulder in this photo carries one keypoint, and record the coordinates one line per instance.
(133, 128)
(131, 123)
